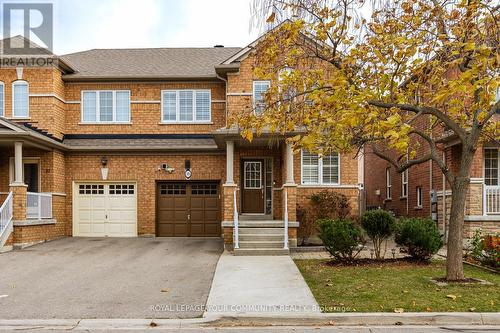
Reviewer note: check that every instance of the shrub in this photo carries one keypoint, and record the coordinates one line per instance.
(379, 226)
(341, 238)
(484, 250)
(325, 204)
(419, 236)
(307, 224)
(329, 204)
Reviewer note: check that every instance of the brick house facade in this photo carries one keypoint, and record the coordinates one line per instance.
(419, 192)
(136, 142)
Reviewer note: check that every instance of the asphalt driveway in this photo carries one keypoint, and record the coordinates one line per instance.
(108, 278)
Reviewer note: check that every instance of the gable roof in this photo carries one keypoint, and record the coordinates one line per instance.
(33, 51)
(147, 64)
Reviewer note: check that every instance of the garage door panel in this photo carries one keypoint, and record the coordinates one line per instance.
(197, 230)
(105, 209)
(211, 202)
(211, 216)
(195, 208)
(212, 229)
(197, 203)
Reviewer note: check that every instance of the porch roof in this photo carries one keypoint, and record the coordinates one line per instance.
(12, 131)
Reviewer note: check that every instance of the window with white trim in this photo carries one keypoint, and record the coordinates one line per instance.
(320, 170)
(259, 90)
(388, 182)
(2, 99)
(404, 184)
(419, 197)
(186, 106)
(20, 99)
(491, 166)
(253, 175)
(106, 106)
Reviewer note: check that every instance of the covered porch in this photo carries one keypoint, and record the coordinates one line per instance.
(259, 194)
(32, 186)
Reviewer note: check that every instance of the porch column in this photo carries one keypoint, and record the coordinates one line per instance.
(18, 163)
(289, 164)
(18, 188)
(229, 162)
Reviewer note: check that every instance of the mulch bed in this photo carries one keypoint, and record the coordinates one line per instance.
(366, 262)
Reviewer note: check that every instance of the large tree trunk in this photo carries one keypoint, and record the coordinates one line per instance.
(459, 188)
(454, 264)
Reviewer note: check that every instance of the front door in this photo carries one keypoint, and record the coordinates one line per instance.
(252, 194)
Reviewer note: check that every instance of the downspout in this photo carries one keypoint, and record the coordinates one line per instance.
(444, 203)
(225, 93)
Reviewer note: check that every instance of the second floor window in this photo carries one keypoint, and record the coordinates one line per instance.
(20, 99)
(106, 106)
(388, 182)
(318, 170)
(491, 167)
(259, 90)
(404, 184)
(2, 100)
(186, 106)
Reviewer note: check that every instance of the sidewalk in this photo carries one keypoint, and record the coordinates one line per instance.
(259, 285)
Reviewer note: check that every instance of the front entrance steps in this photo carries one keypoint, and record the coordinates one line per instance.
(261, 238)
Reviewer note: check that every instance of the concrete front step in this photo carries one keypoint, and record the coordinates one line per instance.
(261, 252)
(262, 237)
(261, 245)
(260, 231)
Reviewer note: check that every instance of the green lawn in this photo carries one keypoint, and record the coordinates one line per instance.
(382, 289)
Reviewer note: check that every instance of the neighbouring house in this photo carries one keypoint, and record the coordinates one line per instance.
(136, 142)
(419, 190)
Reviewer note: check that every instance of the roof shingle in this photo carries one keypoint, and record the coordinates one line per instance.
(161, 63)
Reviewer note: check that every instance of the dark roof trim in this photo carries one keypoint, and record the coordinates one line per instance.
(71, 78)
(137, 136)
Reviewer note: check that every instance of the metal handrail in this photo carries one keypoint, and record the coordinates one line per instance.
(236, 239)
(6, 213)
(285, 245)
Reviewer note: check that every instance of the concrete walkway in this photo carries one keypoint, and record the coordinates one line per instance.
(259, 285)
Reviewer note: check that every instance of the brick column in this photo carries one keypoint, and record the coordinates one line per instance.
(228, 211)
(19, 201)
(291, 191)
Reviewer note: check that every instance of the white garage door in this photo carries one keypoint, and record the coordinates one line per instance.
(105, 209)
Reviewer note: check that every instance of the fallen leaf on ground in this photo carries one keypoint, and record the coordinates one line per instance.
(453, 297)
(166, 290)
(329, 284)
(472, 309)
(399, 310)
(405, 291)
(331, 322)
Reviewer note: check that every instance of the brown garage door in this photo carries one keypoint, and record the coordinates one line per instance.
(188, 209)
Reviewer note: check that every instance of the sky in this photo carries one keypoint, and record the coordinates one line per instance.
(86, 24)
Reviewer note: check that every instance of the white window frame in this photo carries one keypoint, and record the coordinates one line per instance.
(388, 183)
(177, 107)
(245, 175)
(2, 113)
(404, 184)
(15, 83)
(320, 171)
(253, 94)
(98, 110)
(420, 197)
(498, 163)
